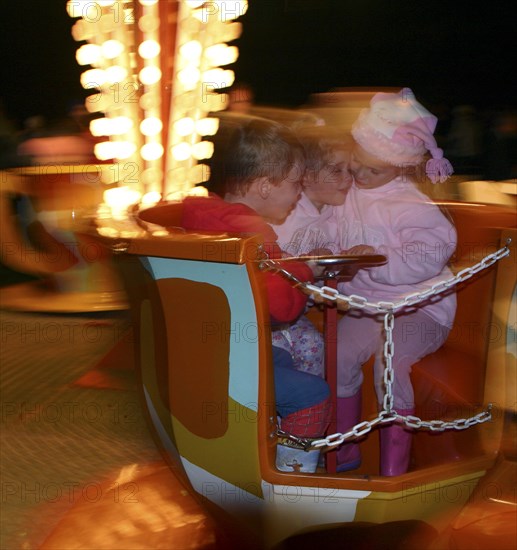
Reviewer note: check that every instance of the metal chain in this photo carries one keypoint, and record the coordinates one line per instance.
(353, 300)
(389, 374)
(388, 415)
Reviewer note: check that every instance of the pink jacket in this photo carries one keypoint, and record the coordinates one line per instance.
(306, 229)
(403, 224)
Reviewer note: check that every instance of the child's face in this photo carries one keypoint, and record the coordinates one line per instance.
(369, 172)
(283, 197)
(331, 184)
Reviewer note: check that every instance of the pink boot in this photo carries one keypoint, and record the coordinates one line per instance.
(396, 447)
(348, 414)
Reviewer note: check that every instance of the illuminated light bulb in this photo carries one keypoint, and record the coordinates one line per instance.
(151, 126)
(215, 51)
(198, 191)
(88, 54)
(89, 11)
(148, 23)
(151, 151)
(75, 8)
(221, 54)
(104, 150)
(203, 15)
(150, 75)
(81, 31)
(94, 78)
(121, 196)
(150, 198)
(184, 126)
(191, 50)
(99, 127)
(207, 126)
(159, 232)
(178, 176)
(203, 150)
(191, 26)
(193, 4)
(149, 49)
(149, 101)
(108, 232)
(119, 199)
(124, 149)
(231, 31)
(120, 125)
(114, 149)
(218, 78)
(132, 233)
(231, 55)
(232, 9)
(182, 151)
(186, 101)
(189, 77)
(175, 196)
(93, 103)
(112, 48)
(116, 73)
(148, 2)
(107, 23)
(199, 173)
(216, 102)
(97, 102)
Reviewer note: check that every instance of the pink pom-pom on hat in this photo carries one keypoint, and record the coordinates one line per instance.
(399, 130)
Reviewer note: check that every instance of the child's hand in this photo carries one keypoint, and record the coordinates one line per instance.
(359, 250)
(317, 270)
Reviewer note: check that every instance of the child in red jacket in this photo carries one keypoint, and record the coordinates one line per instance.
(260, 171)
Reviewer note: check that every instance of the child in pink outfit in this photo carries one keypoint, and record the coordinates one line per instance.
(386, 214)
(312, 228)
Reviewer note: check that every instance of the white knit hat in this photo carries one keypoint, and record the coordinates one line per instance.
(399, 131)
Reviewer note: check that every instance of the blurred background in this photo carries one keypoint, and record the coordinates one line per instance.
(449, 52)
(458, 59)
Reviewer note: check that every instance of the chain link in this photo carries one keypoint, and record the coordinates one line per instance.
(389, 349)
(388, 415)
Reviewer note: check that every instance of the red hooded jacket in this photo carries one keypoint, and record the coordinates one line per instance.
(286, 303)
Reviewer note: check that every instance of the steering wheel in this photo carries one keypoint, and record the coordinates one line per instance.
(341, 266)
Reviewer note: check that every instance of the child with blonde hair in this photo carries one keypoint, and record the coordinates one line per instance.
(312, 228)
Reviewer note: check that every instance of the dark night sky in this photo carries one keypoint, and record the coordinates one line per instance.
(447, 51)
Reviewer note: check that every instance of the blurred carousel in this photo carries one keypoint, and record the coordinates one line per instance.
(155, 69)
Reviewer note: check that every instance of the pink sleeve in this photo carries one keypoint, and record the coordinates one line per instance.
(423, 249)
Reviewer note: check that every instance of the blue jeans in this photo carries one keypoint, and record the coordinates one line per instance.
(295, 390)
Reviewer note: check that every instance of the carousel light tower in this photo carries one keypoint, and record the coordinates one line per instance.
(156, 67)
